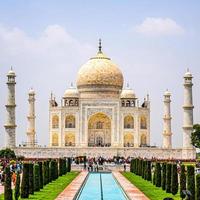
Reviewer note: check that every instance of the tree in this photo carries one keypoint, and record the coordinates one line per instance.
(168, 178)
(164, 176)
(41, 174)
(68, 164)
(31, 179)
(174, 184)
(195, 136)
(7, 153)
(182, 182)
(17, 187)
(25, 181)
(158, 175)
(198, 186)
(36, 177)
(7, 186)
(191, 181)
(149, 170)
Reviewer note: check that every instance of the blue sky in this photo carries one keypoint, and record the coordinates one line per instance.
(46, 42)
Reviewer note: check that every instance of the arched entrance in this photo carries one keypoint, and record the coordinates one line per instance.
(99, 130)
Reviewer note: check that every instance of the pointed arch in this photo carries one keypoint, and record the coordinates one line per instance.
(128, 140)
(55, 121)
(69, 139)
(129, 122)
(143, 140)
(70, 121)
(55, 139)
(143, 122)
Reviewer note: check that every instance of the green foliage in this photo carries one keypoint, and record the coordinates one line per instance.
(17, 187)
(174, 184)
(154, 176)
(191, 181)
(25, 181)
(149, 170)
(31, 179)
(168, 178)
(68, 164)
(36, 177)
(158, 175)
(164, 176)
(41, 174)
(45, 173)
(7, 187)
(7, 153)
(198, 187)
(182, 181)
(195, 136)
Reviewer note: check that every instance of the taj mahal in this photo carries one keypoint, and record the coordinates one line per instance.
(101, 116)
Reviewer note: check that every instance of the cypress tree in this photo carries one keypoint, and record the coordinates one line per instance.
(48, 171)
(164, 176)
(191, 181)
(168, 178)
(174, 184)
(25, 181)
(68, 164)
(158, 175)
(149, 170)
(154, 175)
(61, 166)
(198, 186)
(56, 169)
(17, 187)
(31, 179)
(36, 177)
(7, 186)
(41, 174)
(182, 181)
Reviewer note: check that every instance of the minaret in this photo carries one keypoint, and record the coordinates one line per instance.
(167, 134)
(10, 125)
(31, 119)
(187, 111)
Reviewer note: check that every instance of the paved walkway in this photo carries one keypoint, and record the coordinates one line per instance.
(70, 191)
(132, 192)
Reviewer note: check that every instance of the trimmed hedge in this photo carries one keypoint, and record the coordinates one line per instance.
(17, 187)
(7, 186)
(36, 177)
(164, 176)
(168, 178)
(182, 181)
(174, 184)
(158, 175)
(25, 181)
(191, 181)
(31, 179)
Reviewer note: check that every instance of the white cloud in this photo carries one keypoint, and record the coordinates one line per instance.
(159, 26)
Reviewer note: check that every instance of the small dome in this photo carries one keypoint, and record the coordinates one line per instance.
(188, 74)
(31, 91)
(128, 94)
(71, 92)
(100, 72)
(11, 72)
(167, 93)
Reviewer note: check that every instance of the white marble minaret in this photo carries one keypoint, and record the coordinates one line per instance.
(187, 111)
(31, 119)
(167, 134)
(10, 125)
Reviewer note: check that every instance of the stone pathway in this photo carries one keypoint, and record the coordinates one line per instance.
(70, 191)
(132, 192)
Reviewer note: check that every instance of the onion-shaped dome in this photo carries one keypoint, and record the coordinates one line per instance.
(31, 91)
(128, 94)
(100, 73)
(167, 93)
(11, 72)
(188, 74)
(71, 92)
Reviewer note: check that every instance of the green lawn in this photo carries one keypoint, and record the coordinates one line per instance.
(51, 191)
(148, 188)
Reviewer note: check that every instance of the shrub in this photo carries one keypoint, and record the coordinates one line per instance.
(191, 181)
(168, 178)
(7, 186)
(56, 169)
(198, 187)
(41, 174)
(164, 176)
(60, 161)
(17, 187)
(174, 185)
(149, 170)
(25, 181)
(182, 181)
(31, 179)
(158, 175)
(7, 153)
(36, 177)
(154, 176)
(68, 164)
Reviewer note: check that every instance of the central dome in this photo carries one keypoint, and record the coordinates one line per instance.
(100, 73)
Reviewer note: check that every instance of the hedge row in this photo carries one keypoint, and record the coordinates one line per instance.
(35, 176)
(166, 175)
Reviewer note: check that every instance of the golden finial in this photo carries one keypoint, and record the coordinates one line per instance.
(100, 47)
